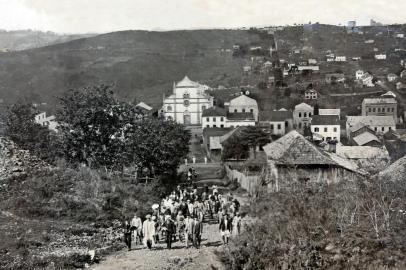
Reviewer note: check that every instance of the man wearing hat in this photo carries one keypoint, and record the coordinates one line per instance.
(189, 224)
(148, 230)
(170, 230)
(136, 226)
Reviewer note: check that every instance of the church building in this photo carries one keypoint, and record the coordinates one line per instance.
(187, 102)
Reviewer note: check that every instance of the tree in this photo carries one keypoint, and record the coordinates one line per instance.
(255, 137)
(92, 122)
(22, 129)
(235, 148)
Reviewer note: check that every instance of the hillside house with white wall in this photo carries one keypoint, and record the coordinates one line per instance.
(302, 115)
(326, 126)
(46, 121)
(244, 104)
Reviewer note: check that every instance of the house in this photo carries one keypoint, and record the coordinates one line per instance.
(302, 115)
(187, 103)
(247, 69)
(359, 74)
(308, 68)
(211, 140)
(214, 117)
(335, 78)
(312, 61)
(46, 121)
(144, 108)
(326, 126)
(340, 59)
(392, 77)
(244, 104)
(400, 35)
(369, 41)
(373, 159)
(367, 80)
(311, 94)
(356, 58)
(268, 64)
(381, 56)
(400, 86)
(380, 106)
(294, 162)
(379, 124)
(365, 136)
(280, 122)
(240, 119)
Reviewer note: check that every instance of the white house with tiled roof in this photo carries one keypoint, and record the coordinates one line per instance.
(187, 102)
(379, 124)
(244, 104)
(302, 115)
(380, 106)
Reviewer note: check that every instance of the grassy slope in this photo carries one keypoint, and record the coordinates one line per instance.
(139, 63)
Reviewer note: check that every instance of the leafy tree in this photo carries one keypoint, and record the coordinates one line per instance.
(92, 122)
(235, 148)
(255, 137)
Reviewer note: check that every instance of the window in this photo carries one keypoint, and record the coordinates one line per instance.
(379, 109)
(207, 126)
(376, 129)
(271, 126)
(325, 129)
(203, 108)
(388, 109)
(279, 126)
(310, 114)
(304, 114)
(390, 128)
(374, 109)
(300, 125)
(186, 95)
(214, 126)
(214, 119)
(383, 128)
(235, 110)
(207, 119)
(221, 126)
(335, 138)
(335, 129)
(186, 103)
(393, 109)
(300, 114)
(328, 139)
(243, 110)
(169, 108)
(222, 119)
(316, 129)
(252, 110)
(369, 109)
(286, 124)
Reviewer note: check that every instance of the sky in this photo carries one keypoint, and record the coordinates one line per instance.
(101, 16)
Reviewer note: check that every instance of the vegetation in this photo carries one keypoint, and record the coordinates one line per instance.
(325, 227)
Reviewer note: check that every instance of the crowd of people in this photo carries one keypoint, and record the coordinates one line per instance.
(180, 217)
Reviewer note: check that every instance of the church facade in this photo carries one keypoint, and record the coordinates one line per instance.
(187, 102)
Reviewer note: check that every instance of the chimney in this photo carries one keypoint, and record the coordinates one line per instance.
(332, 146)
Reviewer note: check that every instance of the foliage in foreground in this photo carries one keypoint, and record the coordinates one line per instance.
(325, 228)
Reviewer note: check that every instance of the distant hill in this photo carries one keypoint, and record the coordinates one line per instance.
(141, 64)
(28, 39)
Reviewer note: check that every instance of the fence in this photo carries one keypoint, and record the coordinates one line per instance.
(248, 182)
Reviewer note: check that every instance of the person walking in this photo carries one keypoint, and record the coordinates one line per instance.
(236, 224)
(189, 224)
(197, 232)
(127, 234)
(225, 228)
(170, 230)
(148, 230)
(136, 227)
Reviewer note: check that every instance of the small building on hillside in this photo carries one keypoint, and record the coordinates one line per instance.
(335, 78)
(381, 106)
(145, 108)
(302, 115)
(244, 104)
(294, 162)
(214, 117)
(211, 140)
(311, 94)
(367, 80)
(380, 56)
(340, 58)
(47, 121)
(336, 112)
(359, 74)
(392, 77)
(327, 127)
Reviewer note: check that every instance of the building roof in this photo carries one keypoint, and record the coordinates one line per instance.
(186, 82)
(389, 94)
(294, 149)
(233, 131)
(276, 116)
(371, 120)
(325, 120)
(379, 101)
(364, 138)
(144, 106)
(358, 126)
(240, 116)
(214, 111)
(243, 100)
(396, 171)
(303, 106)
(362, 152)
(330, 112)
(215, 132)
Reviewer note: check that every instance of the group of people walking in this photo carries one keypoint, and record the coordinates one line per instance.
(180, 217)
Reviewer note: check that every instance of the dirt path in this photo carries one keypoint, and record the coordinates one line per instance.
(162, 258)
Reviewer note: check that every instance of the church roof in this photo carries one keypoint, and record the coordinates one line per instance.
(303, 106)
(186, 82)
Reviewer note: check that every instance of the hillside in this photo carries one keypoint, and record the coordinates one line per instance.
(28, 39)
(141, 64)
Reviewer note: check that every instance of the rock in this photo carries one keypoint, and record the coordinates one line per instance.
(329, 247)
(337, 257)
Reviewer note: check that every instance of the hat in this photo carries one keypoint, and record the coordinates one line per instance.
(148, 216)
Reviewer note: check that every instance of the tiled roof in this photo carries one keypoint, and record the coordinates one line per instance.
(243, 100)
(303, 106)
(215, 132)
(371, 120)
(365, 138)
(276, 116)
(362, 152)
(186, 82)
(329, 111)
(325, 120)
(144, 106)
(214, 111)
(294, 149)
